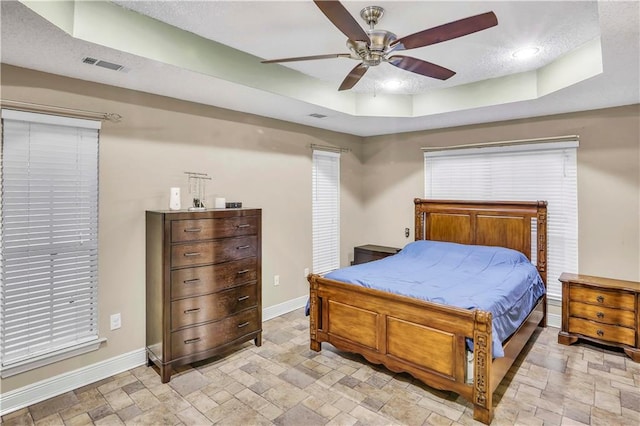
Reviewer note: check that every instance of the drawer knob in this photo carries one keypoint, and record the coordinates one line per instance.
(600, 333)
(244, 271)
(244, 324)
(240, 299)
(192, 311)
(192, 281)
(243, 225)
(193, 230)
(243, 247)
(191, 254)
(190, 341)
(600, 314)
(600, 299)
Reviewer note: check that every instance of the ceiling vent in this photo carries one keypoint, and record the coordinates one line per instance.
(103, 64)
(316, 115)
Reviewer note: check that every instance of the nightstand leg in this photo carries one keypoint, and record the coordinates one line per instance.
(634, 354)
(258, 339)
(566, 338)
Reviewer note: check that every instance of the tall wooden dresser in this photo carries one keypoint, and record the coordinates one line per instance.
(203, 284)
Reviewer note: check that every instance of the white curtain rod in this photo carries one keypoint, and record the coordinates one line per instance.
(68, 112)
(329, 148)
(502, 143)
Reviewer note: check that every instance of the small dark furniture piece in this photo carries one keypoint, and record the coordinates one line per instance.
(602, 310)
(370, 252)
(203, 284)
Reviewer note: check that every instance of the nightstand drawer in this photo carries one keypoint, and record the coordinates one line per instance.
(602, 314)
(610, 333)
(598, 296)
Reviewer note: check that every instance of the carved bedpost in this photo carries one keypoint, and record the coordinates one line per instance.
(542, 252)
(482, 356)
(314, 345)
(419, 220)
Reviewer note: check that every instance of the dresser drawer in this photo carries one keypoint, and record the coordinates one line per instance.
(606, 332)
(208, 336)
(208, 279)
(211, 307)
(597, 296)
(216, 251)
(602, 314)
(206, 229)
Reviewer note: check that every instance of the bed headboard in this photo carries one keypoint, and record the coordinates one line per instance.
(489, 223)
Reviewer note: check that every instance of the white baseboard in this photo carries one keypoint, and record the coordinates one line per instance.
(284, 307)
(554, 320)
(54, 386)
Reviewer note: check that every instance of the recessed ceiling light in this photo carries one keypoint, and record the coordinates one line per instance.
(392, 84)
(526, 52)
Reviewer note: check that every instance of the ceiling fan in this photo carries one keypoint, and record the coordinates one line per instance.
(372, 47)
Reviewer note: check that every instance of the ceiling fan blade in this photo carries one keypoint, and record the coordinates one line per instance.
(353, 77)
(342, 19)
(421, 67)
(448, 31)
(308, 58)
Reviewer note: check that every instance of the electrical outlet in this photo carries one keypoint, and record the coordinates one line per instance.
(306, 272)
(406, 232)
(116, 321)
(276, 280)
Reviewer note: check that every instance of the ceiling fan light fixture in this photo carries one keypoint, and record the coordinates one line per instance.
(526, 52)
(392, 84)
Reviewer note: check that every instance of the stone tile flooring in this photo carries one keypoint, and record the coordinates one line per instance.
(284, 383)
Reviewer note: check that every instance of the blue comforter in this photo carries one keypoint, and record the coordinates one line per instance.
(495, 279)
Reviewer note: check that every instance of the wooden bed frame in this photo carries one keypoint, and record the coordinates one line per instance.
(425, 339)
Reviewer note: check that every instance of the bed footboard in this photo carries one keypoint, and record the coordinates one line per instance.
(424, 339)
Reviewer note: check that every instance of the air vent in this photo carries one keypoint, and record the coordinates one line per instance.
(316, 115)
(109, 65)
(103, 64)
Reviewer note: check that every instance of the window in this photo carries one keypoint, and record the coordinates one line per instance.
(522, 172)
(49, 237)
(326, 211)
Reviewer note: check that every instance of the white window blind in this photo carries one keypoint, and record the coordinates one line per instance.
(523, 172)
(49, 236)
(326, 211)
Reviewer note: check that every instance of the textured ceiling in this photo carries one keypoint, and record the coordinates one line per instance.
(490, 85)
(295, 28)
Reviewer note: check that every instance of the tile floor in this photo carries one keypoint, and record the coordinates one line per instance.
(284, 383)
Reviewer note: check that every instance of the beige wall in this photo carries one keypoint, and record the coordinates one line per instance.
(608, 181)
(267, 163)
(262, 162)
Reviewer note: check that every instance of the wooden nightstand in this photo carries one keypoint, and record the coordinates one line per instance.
(602, 310)
(370, 252)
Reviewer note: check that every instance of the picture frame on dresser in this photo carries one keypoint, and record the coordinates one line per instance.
(203, 284)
